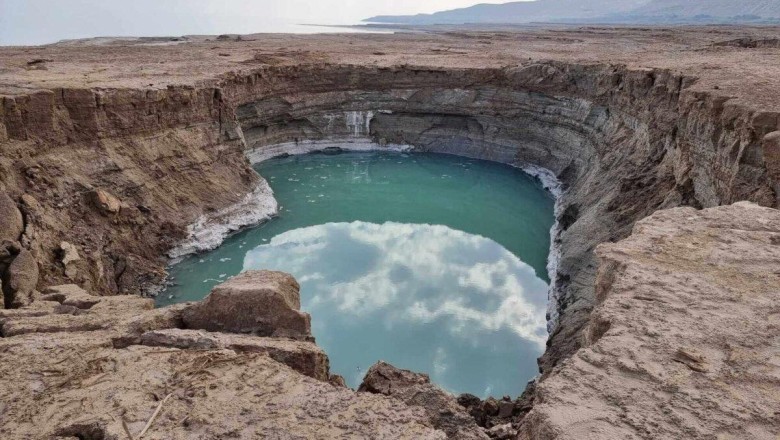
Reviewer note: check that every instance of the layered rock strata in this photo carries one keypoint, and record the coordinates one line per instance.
(623, 142)
(683, 342)
(78, 365)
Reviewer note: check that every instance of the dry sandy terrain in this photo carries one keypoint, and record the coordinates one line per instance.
(751, 75)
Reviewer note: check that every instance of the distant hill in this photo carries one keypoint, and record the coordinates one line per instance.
(711, 8)
(606, 11)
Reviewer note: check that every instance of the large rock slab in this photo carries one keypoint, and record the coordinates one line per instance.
(262, 303)
(303, 357)
(684, 341)
(416, 389)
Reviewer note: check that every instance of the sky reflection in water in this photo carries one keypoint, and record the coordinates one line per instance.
(464, 302)
(455, 305)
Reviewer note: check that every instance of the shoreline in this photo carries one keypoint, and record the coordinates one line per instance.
(208, 233)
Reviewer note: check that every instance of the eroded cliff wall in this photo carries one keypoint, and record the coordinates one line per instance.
(157, 155)
(624, 142)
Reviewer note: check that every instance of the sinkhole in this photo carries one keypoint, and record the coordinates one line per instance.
(431, 262)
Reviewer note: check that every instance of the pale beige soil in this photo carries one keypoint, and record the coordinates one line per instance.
(748, 75)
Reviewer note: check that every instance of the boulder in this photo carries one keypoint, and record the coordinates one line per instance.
(262, 303)
(20, 280)
(11, 221)
(105, 201)
(416, 389)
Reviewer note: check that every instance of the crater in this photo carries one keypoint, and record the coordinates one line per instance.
(434, 263)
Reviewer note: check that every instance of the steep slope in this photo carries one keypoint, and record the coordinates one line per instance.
(683, 343)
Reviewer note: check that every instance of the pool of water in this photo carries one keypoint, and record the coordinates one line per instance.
(433, 263)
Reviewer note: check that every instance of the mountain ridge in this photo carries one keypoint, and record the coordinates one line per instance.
(610, 11)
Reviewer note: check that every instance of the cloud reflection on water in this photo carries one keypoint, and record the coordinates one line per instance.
(424, 296)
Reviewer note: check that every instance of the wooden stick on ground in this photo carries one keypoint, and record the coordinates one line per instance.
(154, 416)
(127, 430)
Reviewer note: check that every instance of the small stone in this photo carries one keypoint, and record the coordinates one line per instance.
(502, 432)
(490, 406)
(70, 256)
(468, 400)
(106, 202)
(337, 381)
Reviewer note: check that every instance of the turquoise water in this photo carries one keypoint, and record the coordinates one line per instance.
(433, 263)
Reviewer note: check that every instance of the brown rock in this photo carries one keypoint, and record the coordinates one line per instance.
(416, 389)
(219, 394)
(301, 356)
(771, 149)
(70, 257)
(383, 378)
(11, 221)
(503, 432)
(105, 201)
(490, 406)
(262, 303)
(685, 341)
(337, 380)
(20, 280)
(505, 409)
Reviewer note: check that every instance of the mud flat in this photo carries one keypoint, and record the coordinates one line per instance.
(109, 153)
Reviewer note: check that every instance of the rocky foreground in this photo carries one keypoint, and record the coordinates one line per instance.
(683, 343)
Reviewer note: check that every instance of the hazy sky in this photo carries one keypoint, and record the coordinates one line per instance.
(46, 21)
